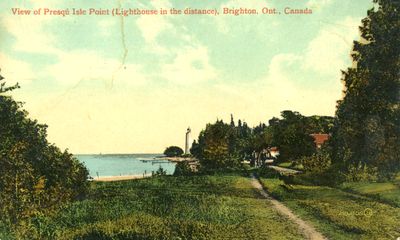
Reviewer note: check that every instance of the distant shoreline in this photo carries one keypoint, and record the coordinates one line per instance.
(117, 154)
(120, 178)
(175, 159)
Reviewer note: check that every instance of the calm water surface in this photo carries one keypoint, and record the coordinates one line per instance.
(124, 164)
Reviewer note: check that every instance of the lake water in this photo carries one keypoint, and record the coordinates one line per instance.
(124, 164)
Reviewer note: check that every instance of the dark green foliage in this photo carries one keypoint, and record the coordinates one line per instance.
(187, 155)
(35, 176)
(292, 136)
(267, 172)
(367, 132)
(182, 169)
(223, 145)
(160, 172)
(221, 206)
(173, 151)
(217, 147)
(320, 124)
(317, 163)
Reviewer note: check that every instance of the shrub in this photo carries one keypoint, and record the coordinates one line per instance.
(182, 169)
(356, 173)
(160, 172)
(317, 163)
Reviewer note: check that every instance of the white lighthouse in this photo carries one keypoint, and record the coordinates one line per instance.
(187, 141)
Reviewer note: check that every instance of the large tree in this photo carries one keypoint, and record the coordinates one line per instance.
(367, 131)
(35, 176)
(291, 135)
(217, 146)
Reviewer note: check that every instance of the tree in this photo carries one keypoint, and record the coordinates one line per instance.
(35, 176)
(291, 135)
(173, 151)
(320, 124)
(223, 145)
(217, 146)
(367, 130)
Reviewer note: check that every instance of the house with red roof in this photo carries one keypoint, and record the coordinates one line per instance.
(320, 139)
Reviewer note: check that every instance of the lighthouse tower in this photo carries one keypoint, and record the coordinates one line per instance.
(187, 141)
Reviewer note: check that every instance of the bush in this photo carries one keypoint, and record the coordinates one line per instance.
(317, 163)
(160, 172)
(360, 173)
(182, 169)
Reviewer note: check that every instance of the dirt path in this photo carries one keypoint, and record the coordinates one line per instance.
(308, 231)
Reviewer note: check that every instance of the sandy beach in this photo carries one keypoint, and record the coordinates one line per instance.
(119, 178)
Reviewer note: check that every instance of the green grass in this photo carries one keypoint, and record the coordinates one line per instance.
(341, 214)
(291, 165)
(198, 207)
(387, 192)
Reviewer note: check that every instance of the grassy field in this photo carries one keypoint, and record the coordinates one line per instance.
(352, 211)
(197, 207)
(292, 165)
(387, 192)
(223, 206)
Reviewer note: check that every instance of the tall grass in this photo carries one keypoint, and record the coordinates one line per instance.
(340, 214)
(221, 206)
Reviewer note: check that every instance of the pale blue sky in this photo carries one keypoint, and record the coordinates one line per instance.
(178, 71)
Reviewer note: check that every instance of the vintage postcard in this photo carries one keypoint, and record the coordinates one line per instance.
(188, 119)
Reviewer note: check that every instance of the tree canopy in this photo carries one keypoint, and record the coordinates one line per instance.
(173, 151)
(367, 130)
(222, 145)
(35, 175)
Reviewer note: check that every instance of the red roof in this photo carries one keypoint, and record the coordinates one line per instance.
(320, 138)
(273, 149)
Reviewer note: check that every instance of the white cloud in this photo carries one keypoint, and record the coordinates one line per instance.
(30, 30)
(151, 26)
(29, 33)
(278, 91)
(76, 66)
(277, 79)
(324, 57)
(327, 52)
(191, 65)
(31, 36)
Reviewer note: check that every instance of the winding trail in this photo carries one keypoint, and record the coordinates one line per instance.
(307, 230)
